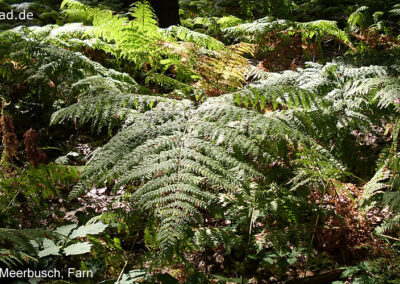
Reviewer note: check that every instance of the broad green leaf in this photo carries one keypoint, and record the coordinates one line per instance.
(268, 260)
(79, 248)
(231, 280)
(49, 248)
(91, 229)
(133, 276)
(66, 230)
(292, 260)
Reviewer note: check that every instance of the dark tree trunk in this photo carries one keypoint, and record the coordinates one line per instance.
(167, 11)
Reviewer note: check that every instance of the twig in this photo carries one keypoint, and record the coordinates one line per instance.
(12, 200)
(389, 237)
(122, 272)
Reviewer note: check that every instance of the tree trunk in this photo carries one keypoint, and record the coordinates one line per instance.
(167, 11)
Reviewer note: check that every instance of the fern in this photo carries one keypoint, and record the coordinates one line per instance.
(395, 10)
(200, 39)
(358, 18)
(104, 111)
(263, 95)
(180, 155)
(32, 187)
(259, 30)
(141, 41)
(17, 248)
(134, 40)
(169, 83)
(211, 25)
(212, 237)
(383, 189)
(68, 76)
(178, 165)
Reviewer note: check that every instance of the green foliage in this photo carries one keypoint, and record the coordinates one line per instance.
(58, 76)
(104, 111)
(32, 188)
(383, 189)
(211, 25)
(375, 271)
(180, 157)
(243, 8)
(17, 248)
(370, 20)
(135, 40)
(259, 30)
(215, 162)
(150, 48)
(213, 237)
(66, 235)
(200, 39)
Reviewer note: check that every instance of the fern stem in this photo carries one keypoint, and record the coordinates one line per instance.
(12, 200)
(389, 237)
(318, 216)
(122, 272)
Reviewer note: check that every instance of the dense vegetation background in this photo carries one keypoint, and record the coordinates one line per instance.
(229, 141)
